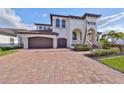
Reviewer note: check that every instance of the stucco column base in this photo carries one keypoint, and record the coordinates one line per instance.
(54, 42)
(25, 43)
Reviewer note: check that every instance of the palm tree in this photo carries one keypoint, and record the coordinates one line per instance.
(119, 35)
(114, 36)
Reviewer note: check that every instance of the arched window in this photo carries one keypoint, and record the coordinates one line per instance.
(57, 23)
(63, 23)
(74, 36)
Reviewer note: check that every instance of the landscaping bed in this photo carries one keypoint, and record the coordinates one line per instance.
(112, 57)
(98, 53)
(111, 53)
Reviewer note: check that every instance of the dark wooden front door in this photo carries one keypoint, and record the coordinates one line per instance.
(40, 42)
(62, 43)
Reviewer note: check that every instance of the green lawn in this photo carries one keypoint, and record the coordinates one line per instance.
(7, 52)
(114, 62)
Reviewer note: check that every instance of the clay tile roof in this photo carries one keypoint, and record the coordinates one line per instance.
(42, 24)
(58, 15)
(99, 33)
(78, 17)
(44, 32)
(90, 14)
(69, 16)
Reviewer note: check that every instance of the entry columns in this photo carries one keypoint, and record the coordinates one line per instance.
(54, 42)
(25, 43)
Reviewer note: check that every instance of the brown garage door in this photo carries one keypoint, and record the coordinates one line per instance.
(62, 43)
(40, 42)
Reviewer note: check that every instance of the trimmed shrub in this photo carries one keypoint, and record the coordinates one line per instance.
(106, 46)
(115, 50)
(6, 48)
(120, 46)
(80, 47)
(10, 48)
(104, 52)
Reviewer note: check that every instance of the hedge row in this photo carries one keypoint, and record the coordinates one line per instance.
(10, 48)
(80, 47)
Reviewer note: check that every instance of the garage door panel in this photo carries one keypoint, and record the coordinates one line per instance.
(40, 42)
(61, 43)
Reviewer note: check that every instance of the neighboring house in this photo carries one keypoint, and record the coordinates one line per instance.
(63, 32)
(8, 37)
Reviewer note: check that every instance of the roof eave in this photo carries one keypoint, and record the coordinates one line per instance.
(89, 14)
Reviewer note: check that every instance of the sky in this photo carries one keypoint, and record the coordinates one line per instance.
(111, 19)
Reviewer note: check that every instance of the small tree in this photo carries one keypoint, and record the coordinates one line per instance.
(111, 35)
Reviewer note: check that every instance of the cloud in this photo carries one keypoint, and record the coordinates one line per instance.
(9, 19)
(109, 19)
(44, 15)
(117, 28)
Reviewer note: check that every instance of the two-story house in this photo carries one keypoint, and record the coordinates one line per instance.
(63, 32)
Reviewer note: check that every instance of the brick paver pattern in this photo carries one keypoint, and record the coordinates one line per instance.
(54, 66)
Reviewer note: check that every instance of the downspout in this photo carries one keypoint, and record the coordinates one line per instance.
(85, 34)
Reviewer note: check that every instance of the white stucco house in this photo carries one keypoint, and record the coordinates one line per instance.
(63, 32)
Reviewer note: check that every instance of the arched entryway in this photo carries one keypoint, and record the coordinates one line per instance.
(76, 36)
(91, 35)
(62, 43)
(40, 42)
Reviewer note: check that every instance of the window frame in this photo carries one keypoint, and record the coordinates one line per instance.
(63, 23)
(57, 22)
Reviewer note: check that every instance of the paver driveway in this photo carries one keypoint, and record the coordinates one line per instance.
(55, 66)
